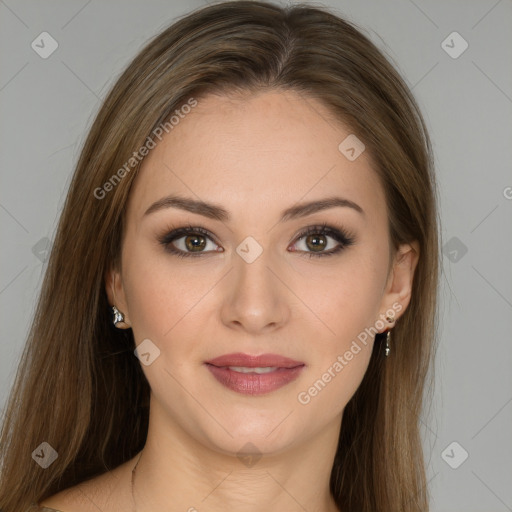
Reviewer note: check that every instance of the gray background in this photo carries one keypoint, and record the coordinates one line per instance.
(47, 106)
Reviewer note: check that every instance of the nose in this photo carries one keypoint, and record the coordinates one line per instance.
(255, 300)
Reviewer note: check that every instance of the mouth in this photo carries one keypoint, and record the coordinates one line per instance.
(254, 375)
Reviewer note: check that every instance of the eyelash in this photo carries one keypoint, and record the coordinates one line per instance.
(341, 236)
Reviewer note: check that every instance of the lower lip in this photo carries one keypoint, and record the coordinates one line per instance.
(254, 383)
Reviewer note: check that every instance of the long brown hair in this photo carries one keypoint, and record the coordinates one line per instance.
(79, 386)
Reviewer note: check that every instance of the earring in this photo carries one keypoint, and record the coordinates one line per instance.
(390, 319)
(118, 316)
(387, 347)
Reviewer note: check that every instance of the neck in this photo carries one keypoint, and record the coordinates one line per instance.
(175, 473)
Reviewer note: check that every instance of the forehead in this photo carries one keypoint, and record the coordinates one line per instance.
(270, 148)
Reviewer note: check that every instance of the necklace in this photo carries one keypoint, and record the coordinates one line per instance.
(133, 479)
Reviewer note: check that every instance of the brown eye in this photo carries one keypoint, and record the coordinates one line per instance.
(195, 243)
(189, 241)
(322, 241)
(316, 243)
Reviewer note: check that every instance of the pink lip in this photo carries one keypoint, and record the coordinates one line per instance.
(286, 371)
(249, 361)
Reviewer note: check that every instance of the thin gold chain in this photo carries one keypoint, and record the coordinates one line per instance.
(133, 479)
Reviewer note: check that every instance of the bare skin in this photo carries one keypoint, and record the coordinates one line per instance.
(254, 156)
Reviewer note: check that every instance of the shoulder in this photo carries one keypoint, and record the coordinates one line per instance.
(106, 492)
(64, 501)
(80, 498)
(34, 507)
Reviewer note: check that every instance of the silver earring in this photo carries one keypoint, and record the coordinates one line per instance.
(118, 316)
(387, 347)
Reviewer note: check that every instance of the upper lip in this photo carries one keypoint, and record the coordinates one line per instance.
(253, 361)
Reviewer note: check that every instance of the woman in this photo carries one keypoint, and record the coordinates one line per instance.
(239, 307)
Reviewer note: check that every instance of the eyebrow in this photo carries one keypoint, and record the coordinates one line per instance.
(216, 212)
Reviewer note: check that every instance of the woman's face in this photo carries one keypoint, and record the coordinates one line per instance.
(260, 275)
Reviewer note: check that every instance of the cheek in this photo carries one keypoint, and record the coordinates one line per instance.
(162, 292)
(340, 356)
(344, 296)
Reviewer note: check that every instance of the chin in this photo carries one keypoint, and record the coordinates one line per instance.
(265, 430)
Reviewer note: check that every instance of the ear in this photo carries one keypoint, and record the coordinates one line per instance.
(398, 290)
(116, 296)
